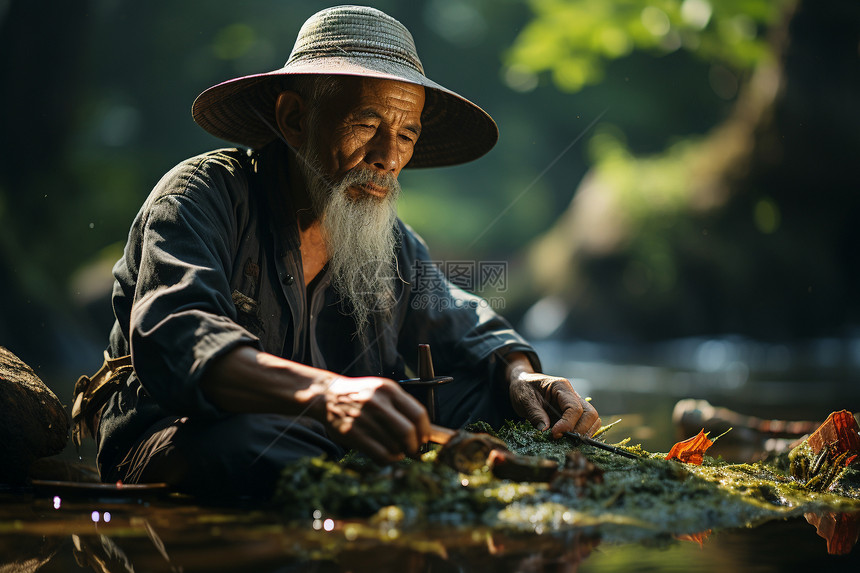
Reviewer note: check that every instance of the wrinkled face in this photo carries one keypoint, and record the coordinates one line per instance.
(371, 125)
(351, 145)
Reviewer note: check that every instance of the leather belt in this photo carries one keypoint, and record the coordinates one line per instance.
(91, 393)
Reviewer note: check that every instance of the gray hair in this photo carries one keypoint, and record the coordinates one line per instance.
(315, 89)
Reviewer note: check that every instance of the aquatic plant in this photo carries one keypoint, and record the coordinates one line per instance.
(649, 497)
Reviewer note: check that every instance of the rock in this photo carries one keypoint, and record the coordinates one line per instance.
(33, 422)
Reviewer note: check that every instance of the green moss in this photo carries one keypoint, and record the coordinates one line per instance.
(639, 499)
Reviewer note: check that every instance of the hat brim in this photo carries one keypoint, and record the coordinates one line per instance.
(242, 110)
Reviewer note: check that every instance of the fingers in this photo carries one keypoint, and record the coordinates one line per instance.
(537, 416)
(577, 414)
(571, 413)
(528, 403)
(589, 420)
(594, 427)
(416, 428)
(366, 436)
(538, 396)
(402, 421)
(375, 416)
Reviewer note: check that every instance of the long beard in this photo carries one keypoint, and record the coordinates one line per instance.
(360, 237)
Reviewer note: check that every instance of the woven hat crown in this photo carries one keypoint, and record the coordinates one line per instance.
(353, 41)
(356, 31)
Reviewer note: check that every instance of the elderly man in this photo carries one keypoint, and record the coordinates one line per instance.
(268, 302)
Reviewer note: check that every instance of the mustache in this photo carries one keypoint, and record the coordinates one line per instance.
(361, 175)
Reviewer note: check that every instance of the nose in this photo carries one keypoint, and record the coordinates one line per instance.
(382, 151)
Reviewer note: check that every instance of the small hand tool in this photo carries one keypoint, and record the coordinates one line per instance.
(577, 437)
(427, 380)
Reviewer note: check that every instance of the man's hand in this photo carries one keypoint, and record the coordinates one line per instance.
(375, 416)
(544, 400)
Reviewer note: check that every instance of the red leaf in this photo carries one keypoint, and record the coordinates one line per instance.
(690, 451)
(695, 537)
(841, 530)
(840, 428)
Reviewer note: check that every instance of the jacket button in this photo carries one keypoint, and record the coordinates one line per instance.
(288, 280)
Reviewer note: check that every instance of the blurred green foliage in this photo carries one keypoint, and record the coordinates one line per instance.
(573, 38)
(722, 231)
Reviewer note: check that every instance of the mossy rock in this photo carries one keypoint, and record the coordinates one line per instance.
(33, 422)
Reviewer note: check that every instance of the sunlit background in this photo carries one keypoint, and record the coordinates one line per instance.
(675, 184)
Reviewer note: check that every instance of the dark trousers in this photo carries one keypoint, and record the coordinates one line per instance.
(243, 455)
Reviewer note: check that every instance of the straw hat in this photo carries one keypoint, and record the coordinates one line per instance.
(356, 41)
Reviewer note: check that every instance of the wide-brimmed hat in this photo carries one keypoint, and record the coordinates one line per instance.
(355, 41)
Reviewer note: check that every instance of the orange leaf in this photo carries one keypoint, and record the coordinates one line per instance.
(690, 450)
(841, 530)
(840, 428)
(695, 537)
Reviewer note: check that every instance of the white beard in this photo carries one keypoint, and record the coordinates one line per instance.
(359, 235)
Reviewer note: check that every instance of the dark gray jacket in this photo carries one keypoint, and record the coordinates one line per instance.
(213, 261)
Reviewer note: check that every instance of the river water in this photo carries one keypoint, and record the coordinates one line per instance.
(56, 530)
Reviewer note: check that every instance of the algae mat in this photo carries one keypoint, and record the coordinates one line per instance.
(644, 500)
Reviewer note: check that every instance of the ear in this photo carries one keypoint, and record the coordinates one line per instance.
(290, 113)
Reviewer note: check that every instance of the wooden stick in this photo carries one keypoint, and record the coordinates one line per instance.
(597, 444)
(441, 435)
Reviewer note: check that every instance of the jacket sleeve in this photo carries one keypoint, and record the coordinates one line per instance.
(466, 335)
(176, 269)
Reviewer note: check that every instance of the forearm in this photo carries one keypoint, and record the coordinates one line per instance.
(372, 414)
(516, 364)
(248, 380)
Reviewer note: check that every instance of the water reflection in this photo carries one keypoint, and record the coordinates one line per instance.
(184, 537)
(176, 535)
(840, 530)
